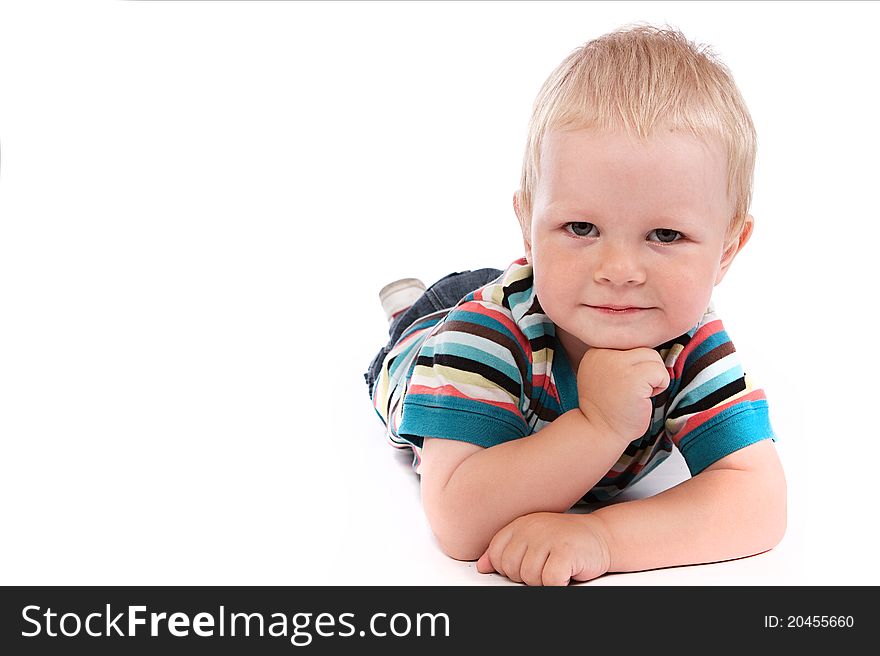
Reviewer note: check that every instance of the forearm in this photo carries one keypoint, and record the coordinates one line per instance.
(717, 515)
(547, 471)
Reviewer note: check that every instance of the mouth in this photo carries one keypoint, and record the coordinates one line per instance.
(618, 309)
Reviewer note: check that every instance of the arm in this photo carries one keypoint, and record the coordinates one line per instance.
(469, 492)
(734, 508)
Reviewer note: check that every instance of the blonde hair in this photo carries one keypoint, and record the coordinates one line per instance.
(643, 78)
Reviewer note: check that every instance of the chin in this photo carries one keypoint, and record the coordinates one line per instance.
(621, 342)
(627, 345)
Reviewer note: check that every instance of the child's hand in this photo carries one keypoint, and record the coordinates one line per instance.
(615, 389)
(548, 549)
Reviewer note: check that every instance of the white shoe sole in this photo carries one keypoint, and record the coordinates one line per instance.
(400, 294)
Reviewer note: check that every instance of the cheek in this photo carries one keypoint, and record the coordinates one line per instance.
(558, 259)
(567, 281)
(687, 289)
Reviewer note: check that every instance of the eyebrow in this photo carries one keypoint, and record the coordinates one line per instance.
(555, 210)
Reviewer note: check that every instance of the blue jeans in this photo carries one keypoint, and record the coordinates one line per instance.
(443, 294)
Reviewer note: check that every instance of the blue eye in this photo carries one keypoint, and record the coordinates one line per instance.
(665, 235)
(580, 228)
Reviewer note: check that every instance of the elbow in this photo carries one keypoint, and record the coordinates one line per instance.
(461, 527)
(774, 531)
(776, 513)
(457, 540)
(457, 537)
(780, 523)
(459, 549)
(764, 491)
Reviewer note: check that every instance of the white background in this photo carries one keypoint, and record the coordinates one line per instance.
(199, 202)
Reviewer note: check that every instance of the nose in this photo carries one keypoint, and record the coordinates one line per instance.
(618, 265)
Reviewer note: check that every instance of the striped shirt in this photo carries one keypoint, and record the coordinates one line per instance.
(491, 370)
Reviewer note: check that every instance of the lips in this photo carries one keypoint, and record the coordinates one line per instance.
(618, 309)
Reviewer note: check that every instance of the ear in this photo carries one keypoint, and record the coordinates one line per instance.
(527, 238)
(735, 245)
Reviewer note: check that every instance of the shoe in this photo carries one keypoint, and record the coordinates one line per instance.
(399, 295)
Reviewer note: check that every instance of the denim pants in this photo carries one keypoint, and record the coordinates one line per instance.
(442, 295)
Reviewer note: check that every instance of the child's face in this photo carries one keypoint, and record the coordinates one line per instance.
(619, 222)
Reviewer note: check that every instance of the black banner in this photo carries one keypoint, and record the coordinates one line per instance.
(279, 620)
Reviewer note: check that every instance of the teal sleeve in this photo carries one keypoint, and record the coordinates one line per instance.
(456, 418)
(730, 430)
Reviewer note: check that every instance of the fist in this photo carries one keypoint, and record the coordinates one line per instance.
(615, 389)
(547, 548)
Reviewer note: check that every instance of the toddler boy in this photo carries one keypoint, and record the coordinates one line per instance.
(570, 375)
